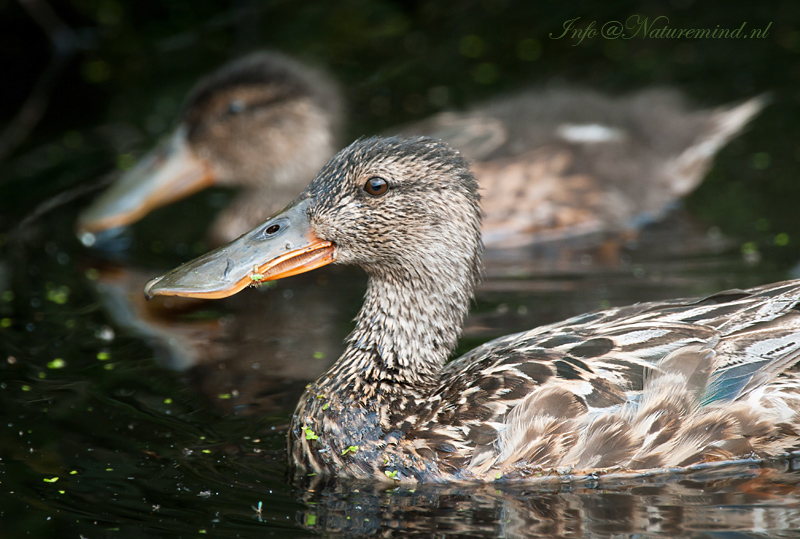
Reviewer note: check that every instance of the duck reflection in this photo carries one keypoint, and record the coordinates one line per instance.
(746, 499)
(251, 355)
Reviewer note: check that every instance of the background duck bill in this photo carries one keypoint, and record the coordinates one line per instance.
(168, 173)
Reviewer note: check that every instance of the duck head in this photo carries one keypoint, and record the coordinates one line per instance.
(405, 210)
(263, 120)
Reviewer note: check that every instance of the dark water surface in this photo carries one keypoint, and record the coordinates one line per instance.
(133, 419)
(120, 418)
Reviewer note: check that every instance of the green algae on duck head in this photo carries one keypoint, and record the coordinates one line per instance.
(264, 122)
(630, 389)
(553, 163)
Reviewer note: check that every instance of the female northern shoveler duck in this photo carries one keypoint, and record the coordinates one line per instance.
(552, 164)
(653, 385)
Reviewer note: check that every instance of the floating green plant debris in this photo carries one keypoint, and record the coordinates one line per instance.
(57, 294)
(5, 323)
(224, 396)
(50, 479)
(391, 475)
(57, 363)
(309, 434)
(311, 520)
(167, 401)
(351, 449)
(326, 405)
(319, 355)
(103, 356)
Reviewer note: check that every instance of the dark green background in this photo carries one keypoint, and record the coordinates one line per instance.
(134, 61)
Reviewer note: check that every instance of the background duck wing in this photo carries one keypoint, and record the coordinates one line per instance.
(564, 162)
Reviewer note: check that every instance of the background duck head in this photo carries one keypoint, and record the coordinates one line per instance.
(264, 122)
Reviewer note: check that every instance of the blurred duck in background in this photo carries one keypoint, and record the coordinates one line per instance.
(552, 164)
(265, 123)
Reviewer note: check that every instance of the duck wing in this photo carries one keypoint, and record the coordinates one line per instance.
(754, 333)
(477, 135)
(608, 382)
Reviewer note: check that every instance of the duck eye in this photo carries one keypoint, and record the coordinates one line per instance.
(235, 107)
(376, 186)
(275, 228)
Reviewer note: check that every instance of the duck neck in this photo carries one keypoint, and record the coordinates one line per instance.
(405, 331)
